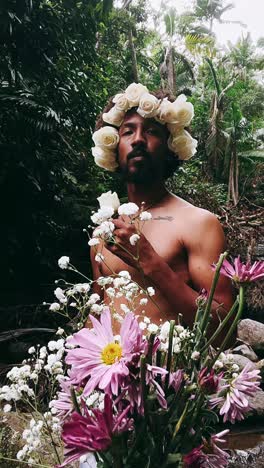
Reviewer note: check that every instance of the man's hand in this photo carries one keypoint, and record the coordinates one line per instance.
(138, 255)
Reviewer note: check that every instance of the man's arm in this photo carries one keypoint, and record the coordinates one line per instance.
(204, 244)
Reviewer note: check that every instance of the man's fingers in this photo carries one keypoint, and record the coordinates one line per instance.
(121, 233)
(119, 223)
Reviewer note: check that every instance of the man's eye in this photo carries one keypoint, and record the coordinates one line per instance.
(152, 131)
(127, 132)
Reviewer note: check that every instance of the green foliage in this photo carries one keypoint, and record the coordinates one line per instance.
(49, 77)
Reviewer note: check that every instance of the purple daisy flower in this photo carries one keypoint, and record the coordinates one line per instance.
(242, 272)
(232, 397)
(99, 359)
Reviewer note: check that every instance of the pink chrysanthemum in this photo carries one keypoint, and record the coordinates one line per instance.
(242, 272)
(208, 454)
(93, 432)
(101, 360)
(231, 398)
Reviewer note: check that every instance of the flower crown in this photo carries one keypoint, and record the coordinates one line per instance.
(175, 115)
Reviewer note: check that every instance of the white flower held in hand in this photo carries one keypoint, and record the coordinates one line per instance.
(63, 262)
(109, 199)
(134, 239)
(103, 214)
(128, 209)
(145, 216)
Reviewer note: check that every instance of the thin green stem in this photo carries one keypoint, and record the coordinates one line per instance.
(221, 326)
(169, 358)
(207, 310)
(234, 324)
(144, 388)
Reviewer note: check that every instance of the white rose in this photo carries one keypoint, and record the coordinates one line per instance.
(106, 138)
(167, 112)
(134, 92)
(121, 102)
(148, 106)
(183, 145)
(184, 113)
(109, 199)
(105, 158)
(114, 117)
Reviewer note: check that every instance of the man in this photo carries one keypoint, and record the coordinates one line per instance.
(178, 245)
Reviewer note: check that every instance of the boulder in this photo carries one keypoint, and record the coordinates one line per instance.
(257, 404)
(242, 361)
(246, 351)
(251, 458)
(251, 333)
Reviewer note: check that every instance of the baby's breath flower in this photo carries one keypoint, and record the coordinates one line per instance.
(7, 408)
(134, 239)
(145, 216)
(153, 328)
(143, 301)
(195, 355)
(99, 257)
(54, 307)
(150, 291)
(31, 350)
(93, 241)
(63, 262)
(128, 209)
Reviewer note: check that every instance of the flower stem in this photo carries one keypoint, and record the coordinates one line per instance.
(169, 356)
(144, 388)
(221, 326)
(207, 311)
(74, 400)
(234, 324)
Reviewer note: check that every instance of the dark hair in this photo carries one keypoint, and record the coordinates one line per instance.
(172, 161)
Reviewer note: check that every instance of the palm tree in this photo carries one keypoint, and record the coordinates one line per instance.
(172, 54)
(211, 11)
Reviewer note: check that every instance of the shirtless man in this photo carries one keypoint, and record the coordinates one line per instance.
(178, 245)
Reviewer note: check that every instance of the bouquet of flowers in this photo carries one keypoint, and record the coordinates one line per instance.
(125, 392)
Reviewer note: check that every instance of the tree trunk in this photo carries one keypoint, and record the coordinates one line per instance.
(171, 71)
(233, 176)
(133, 56)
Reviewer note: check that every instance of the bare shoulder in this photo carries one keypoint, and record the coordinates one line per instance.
(198, 225)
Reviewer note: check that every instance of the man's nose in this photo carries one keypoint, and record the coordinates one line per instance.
(139, 137)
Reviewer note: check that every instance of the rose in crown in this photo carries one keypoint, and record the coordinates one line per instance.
(175, 115)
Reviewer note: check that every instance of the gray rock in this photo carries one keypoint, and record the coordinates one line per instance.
(242, 361)
(246, 351)
(251, 458)
(252, 333)
(257, 404)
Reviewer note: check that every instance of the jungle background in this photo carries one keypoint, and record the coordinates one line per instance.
(59, 63)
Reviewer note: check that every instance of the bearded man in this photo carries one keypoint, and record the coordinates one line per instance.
(181, 242)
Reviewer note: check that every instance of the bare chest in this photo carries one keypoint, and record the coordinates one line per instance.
(165, 236)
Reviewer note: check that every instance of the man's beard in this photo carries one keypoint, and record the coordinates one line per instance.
(146, 171)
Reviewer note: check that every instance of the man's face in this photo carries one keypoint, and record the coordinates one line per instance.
(142, 149)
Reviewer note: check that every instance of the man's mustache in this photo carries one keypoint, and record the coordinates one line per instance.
(139, 151)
